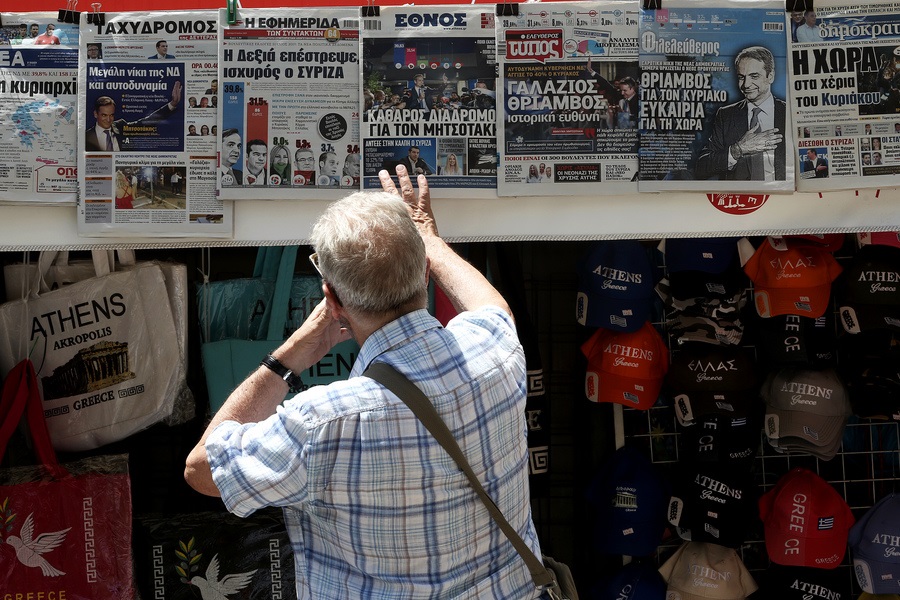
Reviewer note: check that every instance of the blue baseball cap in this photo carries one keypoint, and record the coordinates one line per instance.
(710, 254)
(629, 498)
(634, 581)
(615, 286)
(873, 545)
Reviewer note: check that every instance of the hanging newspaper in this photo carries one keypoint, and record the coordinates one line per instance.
(713, 111)
(429, 97)
(148, 102)
(569, 90)
(38, 104)
(845, 94)
(290, 104)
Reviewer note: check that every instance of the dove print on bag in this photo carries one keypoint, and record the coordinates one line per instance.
(211, 588)
(30, 549)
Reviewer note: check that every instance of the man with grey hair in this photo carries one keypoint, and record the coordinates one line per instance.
(747, 137)
(374, 506)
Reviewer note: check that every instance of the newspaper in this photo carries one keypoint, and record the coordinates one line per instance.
(147, 145)
(845, 94)
(38, 106)
(569, 82)
(429, 97)
(290, 107)
(713, 90)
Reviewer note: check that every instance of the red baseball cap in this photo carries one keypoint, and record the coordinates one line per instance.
(806, 521)
(791, 279)
(625, 367)
(879, 238)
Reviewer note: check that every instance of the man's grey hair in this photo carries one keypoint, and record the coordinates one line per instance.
(370, 252)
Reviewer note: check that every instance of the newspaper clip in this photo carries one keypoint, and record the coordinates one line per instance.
(69, 14)
(656, 4)
(508, 9)
(232, 7)
(95, 17)
(798, 5)
(370, 10)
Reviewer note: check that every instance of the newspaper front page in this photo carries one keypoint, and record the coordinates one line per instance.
(430, 96)
(713, 98)
(845, 95)
(569, 85)
(38, 108)
(289, 119)
(147, 144)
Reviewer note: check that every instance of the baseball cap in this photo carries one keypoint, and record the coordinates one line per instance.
(722, 439)
(796, 340)
(615, 286)
(791, 279)
(879, 238)
(705, 379)
(625, 367)
(806, 521)
(629, 498)
(870, 369)
(874, 543)
(831, 242)
(708, 254)
(712, 503)
(803, 583)
(634, 581)
(869, 296)
(705, 307)
(699, 571)
(807, 404)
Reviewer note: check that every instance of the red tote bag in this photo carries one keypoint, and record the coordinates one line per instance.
(65, 532)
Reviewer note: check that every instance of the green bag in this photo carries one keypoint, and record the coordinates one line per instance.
(228, 361)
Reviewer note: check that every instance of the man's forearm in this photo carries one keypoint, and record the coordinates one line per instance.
(254, 400)
(463, 284)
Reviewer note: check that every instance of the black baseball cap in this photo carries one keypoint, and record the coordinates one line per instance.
(869, 290)
(707, 379)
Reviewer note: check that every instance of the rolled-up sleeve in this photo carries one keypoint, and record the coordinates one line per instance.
(258, 464)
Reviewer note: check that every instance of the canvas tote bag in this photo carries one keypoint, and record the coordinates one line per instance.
(19, 279)
(106, 354)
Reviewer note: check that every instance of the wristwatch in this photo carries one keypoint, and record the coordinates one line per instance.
(295, 383)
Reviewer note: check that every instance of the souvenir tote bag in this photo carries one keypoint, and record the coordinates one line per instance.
(65, 531)
(227, 362)
(190, 556)
(56, 270)
(106, 353)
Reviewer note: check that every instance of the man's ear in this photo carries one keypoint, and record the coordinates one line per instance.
(331, 298)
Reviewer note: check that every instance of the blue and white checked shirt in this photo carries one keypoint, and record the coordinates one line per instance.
(375, 508)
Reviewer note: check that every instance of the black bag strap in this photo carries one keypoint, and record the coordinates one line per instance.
(413, 397)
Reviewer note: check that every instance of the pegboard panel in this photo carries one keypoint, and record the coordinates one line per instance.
(865, 469)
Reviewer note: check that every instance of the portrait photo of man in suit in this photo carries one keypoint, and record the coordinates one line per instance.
(420, 95)
(414, 163)
(107, 132)
(747, 137)
(162, 51)
(230, 156)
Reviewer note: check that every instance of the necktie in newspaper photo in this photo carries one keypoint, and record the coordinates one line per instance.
(109, 142)
(757, 166)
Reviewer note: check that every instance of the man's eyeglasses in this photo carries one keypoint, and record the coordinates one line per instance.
(314, 261)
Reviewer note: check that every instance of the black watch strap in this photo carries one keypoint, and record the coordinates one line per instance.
(293, 379)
